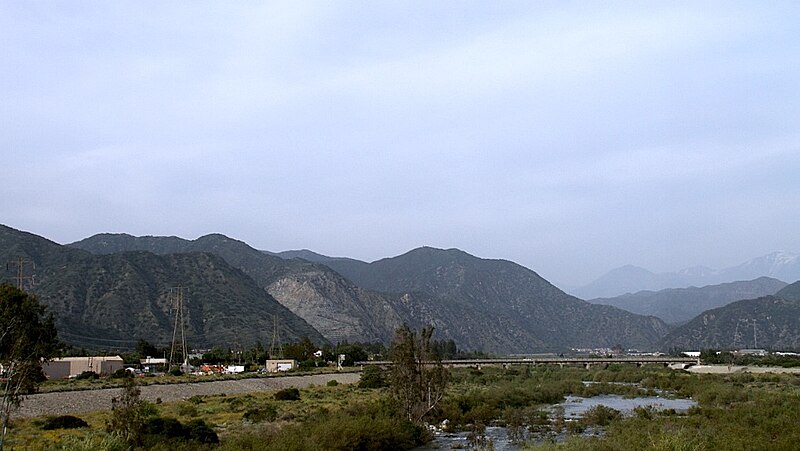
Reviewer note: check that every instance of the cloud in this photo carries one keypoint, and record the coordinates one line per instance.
(541, 132)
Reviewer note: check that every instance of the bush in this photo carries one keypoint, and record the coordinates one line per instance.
(158, 429)
(259, 414)
(288, 394)
(121, 373)
(201, 432)
(63, 422)
(372, 377)
(332, 383)
(600, 415)
(176, 372)
(361, 427)
(87, 375)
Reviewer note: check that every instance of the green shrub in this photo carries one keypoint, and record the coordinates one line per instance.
(158, 430)
(87, 375)
(201, 432)
(121, 373)
(63, 422)
(288, 394)
(372, 377)
(332, 383)
(259, 414)
(600, 415)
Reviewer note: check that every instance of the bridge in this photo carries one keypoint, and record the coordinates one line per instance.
(586, 362)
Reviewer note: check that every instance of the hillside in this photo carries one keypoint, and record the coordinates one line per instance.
(502, 303)
(334, 306)
(768, 322)
(110, 301)
(504, 307)
(791, 292)
(676, 305)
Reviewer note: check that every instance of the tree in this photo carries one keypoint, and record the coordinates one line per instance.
(418, 379)
(129, 413)
(28, 337)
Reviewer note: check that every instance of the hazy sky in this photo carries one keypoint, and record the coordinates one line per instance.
(570, 137)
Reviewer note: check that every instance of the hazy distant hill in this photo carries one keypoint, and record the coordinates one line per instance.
(110, 301)
(675, 305)
(777, 326)
(503, 303)
(791, 292)
(780, 265)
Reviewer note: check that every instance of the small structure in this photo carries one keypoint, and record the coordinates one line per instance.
(275, 366)
(67, 367)
(234, 369)
(153, 364)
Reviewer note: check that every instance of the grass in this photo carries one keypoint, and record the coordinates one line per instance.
(736, 411)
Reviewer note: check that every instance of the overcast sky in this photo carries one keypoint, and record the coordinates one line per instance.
(570, 137)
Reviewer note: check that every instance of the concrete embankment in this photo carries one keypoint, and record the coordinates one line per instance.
(73, 402)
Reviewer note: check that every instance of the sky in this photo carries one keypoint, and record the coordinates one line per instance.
(569, 137)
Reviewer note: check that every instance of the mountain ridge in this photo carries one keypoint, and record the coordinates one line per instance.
(629, 279)
(124, 296)
(675, 305)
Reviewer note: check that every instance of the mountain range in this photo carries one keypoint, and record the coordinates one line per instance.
(489, 305)
(677, 305)
(114, 288)
(109, 290)
(110, 301)
(779, 265)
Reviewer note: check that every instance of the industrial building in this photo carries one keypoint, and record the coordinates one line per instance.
(67, 367)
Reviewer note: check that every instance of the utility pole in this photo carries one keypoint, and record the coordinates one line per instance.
(19, 276)
(176, 293)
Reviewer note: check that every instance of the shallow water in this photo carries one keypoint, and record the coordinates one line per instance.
(573, 408)
(576, 406)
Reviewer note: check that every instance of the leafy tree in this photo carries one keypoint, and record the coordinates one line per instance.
(300, 351)
(28, 337)
(146, 349)
(418, 379)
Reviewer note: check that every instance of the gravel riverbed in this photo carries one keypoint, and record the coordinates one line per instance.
(72, 402)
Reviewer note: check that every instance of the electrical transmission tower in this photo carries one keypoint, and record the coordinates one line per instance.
(737, 337)
(19, 273)
(276, 349)
(176, 294)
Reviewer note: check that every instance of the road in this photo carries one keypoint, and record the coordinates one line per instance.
(74, 402)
